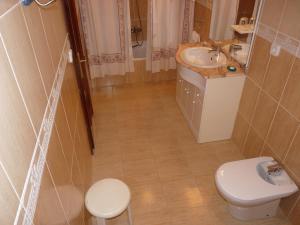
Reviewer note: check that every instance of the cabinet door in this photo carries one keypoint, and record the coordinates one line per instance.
(179, 89)
(189, 100)
(197, 112)
(183, 95)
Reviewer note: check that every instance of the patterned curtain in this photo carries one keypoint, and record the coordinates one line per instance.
(106, 25)
(170, 22)
(224, 14)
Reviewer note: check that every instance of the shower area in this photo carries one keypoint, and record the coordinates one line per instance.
(138, 22)
(138, 18)
(134, 41)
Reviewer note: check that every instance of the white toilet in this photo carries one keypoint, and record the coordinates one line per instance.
(252, 190)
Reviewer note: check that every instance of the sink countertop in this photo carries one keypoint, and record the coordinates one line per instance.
(212, 72)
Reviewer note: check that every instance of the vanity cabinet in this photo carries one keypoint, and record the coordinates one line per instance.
(208, 105)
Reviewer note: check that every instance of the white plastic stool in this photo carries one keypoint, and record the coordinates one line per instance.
(108, 198)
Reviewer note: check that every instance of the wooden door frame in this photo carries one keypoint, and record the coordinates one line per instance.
(82, 72)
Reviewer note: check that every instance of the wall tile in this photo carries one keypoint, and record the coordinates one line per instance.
(64, 133)
(259, 62)
(8, 211)
(267, 151)
(69, 96)
(60, 168)
(22, 57)
(295, 214)
(292, 160)
(40, 45)
(56, 13)
(72, 197)
(55, 29)
(270, 9)
(57, 163)
(143, 9)
(5, 5)
(76, 174)
(286, 204)
(291, 96)
(253, 145)
(17, 139)
(202, 18)
(83, 148)
(291, 18)
(263, 115)
(240, 131)
(282, 132)
(248, 100)
(49, 210)
(78, 200)
(274, 128)
(277, 74)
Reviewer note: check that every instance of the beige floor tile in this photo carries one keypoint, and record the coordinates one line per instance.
(147, 197)
(140, 171)
(7, 195)
(182, 193)
(106, 171)
(158, 217)
(142, 139)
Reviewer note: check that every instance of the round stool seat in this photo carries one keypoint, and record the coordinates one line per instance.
(107, 198)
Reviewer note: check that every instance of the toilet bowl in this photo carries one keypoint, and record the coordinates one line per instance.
(252, 191)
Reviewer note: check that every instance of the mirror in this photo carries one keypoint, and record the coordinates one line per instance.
(228, 21)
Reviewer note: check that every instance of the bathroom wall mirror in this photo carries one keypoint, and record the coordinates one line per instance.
(230, 21)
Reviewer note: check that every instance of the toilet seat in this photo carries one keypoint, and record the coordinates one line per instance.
(240, 183)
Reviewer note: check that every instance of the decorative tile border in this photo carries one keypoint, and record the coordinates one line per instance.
(266, 32)
(33, 181)
(286, 42)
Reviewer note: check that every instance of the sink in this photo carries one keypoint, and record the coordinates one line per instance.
(240, 55)
(201, 57)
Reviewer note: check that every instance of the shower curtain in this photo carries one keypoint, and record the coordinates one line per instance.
(223, 16)
(170, 22)
(106, 25)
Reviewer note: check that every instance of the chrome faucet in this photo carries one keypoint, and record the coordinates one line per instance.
(274, 169)
(216, 49)
(234, 48)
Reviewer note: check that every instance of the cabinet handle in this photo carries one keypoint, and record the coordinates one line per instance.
(194, 102)
(180, 81)
(198, 95)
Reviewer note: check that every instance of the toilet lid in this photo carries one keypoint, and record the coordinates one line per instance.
(240, 182)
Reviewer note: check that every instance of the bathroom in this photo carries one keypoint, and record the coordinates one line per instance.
(196, 121)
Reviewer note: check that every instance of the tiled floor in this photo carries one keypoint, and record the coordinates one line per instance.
(142, 139)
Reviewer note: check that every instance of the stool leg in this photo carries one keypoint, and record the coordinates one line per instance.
(101, 221)
(129, 215)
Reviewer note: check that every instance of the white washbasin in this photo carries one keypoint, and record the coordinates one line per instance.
(239, 55)
(202, 57)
